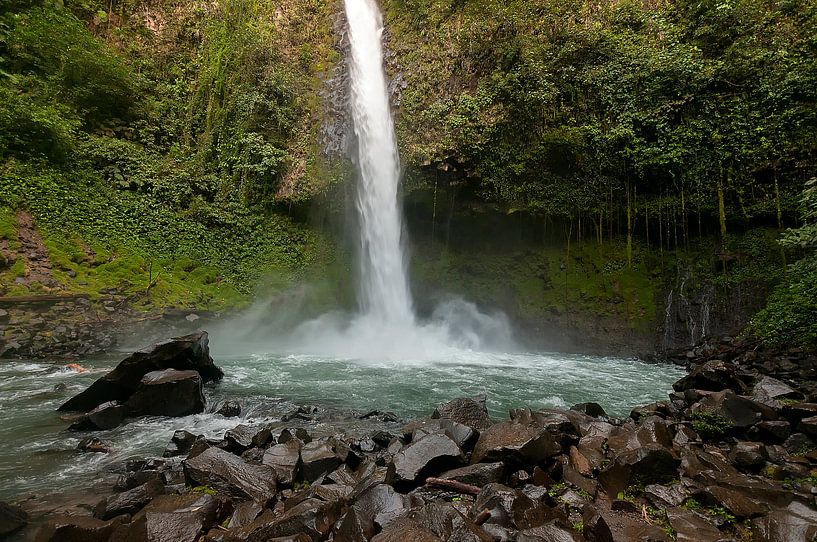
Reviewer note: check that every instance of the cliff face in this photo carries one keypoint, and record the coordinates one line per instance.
(559, 157)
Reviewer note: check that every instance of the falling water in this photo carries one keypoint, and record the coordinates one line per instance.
(384, 292)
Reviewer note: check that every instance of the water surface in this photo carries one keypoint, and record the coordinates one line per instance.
(37, 455)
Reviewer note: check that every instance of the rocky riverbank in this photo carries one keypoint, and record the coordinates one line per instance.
(731, 455)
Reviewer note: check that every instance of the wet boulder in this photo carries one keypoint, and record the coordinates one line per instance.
(509, 507)
(243, 437)
(550, 532)
(244, 513)
(180, 443)
(771, 391)
(594, 410)
(378, 505)
(651, 464)
(129, 502)
(312, 517)
(690, 526)
(78, 529)
(428, 456)
(226, 472)
(665, 496)
(713, 375)
(284, 460)
(478, 474)
(12, 519)
(168, 393)
(406, 529)
(318, 458)
(748, 455)
(740, 412)
(104, 417)
(176, 518)
(470, 412)
(463, 435)
(770, 432)
(795, 523)
(448, 523)
(188, 353)
(515, 442)
(740, 504)
(229, 409)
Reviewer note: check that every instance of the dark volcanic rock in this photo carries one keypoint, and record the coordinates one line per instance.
(318, 458)
(106, 416)
(428, 456)
(770, 391)
(712, 376)
(172, 518)
(12, 519)
(168, 393)
(404, 530)
(463, 435)
(78, 529)
(188, 353)
(470, 412)
(229, 409)
(478, 474)
(748, 455)
(180, 443)
(516, 442)
(591, 409)
(509, 507)
(651, 464)
(128, 502)
(284, 459)
(312, 517)
(242, 437)
(244, 514)
(772, 432)
(741, 412)
(691, 526)
(379, 505)
(226, 472)
(448, 523)
(796, 523)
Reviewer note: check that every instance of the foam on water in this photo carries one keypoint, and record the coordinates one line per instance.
(37, 454)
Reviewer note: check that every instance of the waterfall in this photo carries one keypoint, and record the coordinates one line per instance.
(386, 327)
(384, 291)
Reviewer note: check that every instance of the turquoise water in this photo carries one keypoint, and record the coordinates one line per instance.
(37, 455)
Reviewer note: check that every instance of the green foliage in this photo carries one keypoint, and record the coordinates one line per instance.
(790, 316)
(709, 425)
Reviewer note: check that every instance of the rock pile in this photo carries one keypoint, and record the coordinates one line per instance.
(165, 379)
(731, 455)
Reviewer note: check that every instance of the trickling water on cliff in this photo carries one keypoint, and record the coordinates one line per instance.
(384, 292)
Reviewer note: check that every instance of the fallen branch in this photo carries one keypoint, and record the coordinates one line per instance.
(453, 485)
(482, 517)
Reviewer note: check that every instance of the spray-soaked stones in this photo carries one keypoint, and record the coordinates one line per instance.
(226, 472)
(168, 393)
(188, 353)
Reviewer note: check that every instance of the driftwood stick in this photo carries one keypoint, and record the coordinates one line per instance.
(482, 517)
(453, 485)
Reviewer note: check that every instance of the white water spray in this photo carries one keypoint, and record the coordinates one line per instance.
(386, 328)
(384, 291)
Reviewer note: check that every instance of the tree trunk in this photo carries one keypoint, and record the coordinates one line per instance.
(721, 210)
(629, 227)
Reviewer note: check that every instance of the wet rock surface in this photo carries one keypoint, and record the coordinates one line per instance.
(188, 353)
(731, 455)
